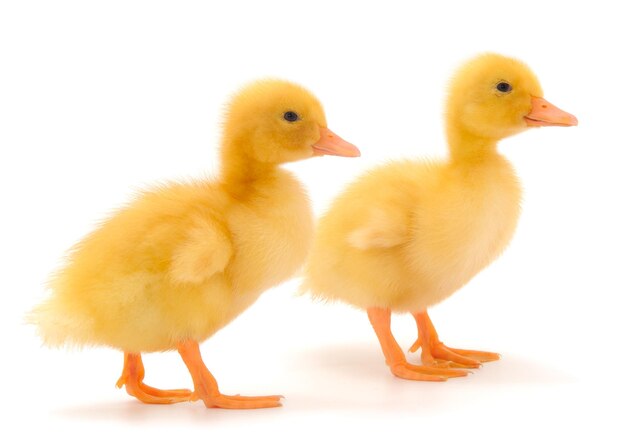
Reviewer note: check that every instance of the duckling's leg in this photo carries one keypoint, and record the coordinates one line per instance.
(435, 353)
(132, 376)
(381, 322)
(205, 386)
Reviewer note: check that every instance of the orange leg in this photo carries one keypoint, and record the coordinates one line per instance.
(205, 386)
(132, 376)
(436, 354)
(380, 319)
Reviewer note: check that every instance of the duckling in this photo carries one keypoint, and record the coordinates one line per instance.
(184, 259)
(408, 234)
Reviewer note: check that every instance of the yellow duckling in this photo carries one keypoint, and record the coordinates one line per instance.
(409, 234)
(184, 259)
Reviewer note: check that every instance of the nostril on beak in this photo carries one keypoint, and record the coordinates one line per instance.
(544, 106)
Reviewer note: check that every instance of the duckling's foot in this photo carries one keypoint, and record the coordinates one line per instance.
(436, 354)
(206, 389)
(381, 322)
(132, 377)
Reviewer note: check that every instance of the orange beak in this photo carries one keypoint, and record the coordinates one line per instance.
(544, 113)
(331, 144)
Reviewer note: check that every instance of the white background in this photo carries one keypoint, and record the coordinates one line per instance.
(100, 98)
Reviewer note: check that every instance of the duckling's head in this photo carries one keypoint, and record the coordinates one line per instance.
(493, 96)
(275, 121)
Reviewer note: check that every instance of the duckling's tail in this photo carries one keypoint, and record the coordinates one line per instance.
(58, 325)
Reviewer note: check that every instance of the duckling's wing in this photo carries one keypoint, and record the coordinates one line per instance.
(206, 251)
(383, 228)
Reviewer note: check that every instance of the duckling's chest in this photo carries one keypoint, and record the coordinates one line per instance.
(470, 222)
(272, 234)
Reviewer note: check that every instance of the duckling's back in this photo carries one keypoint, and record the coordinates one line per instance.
(115, 283)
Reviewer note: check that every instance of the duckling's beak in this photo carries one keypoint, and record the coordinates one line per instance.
(331, 144)
(544, 113)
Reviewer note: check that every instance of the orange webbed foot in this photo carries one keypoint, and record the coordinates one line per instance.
(132, 377)
(436, 354)
(206, 389)
(380, 318)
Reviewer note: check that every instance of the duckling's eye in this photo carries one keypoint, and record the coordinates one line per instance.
(290, 116)
(504, 87)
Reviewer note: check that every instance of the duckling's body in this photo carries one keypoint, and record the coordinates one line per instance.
(408, 234)
(439, 223)
(184, 259)
(146, 297)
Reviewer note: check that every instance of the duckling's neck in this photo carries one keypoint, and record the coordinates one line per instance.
(239, 172)
(467, 148)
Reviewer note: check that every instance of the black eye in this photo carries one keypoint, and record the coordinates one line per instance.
(504, 87)
(290, 116)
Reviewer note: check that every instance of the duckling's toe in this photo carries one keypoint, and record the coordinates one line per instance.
(241, 402)
(408, 371)
(481, 356)
(438, 363)
(439, 355)
(148, 394)
(179, 394)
